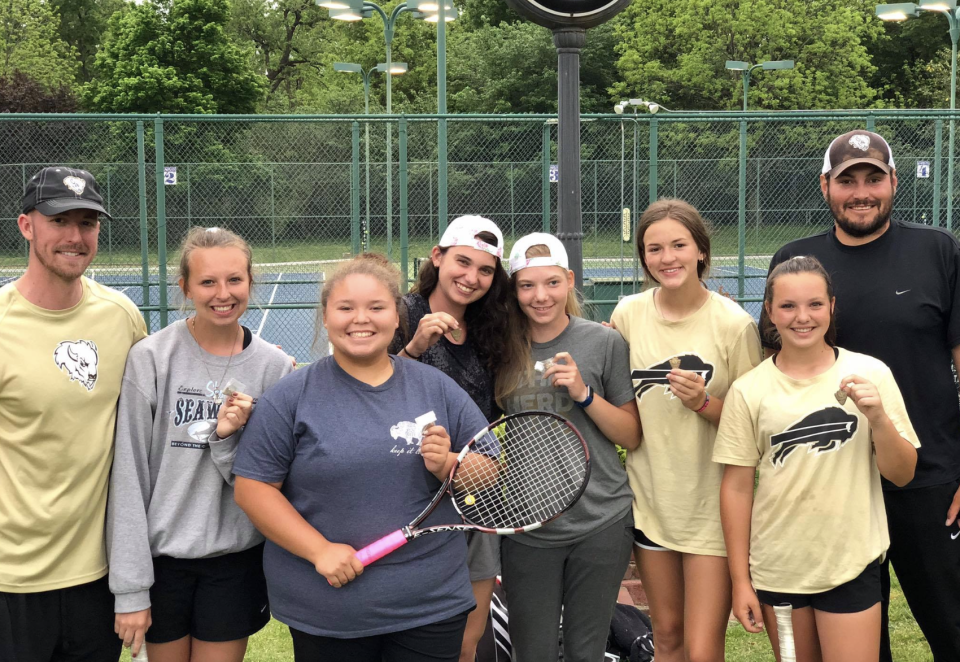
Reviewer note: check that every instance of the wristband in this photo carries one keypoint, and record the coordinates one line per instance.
(587, 401)
(706, 403)
(409, 355)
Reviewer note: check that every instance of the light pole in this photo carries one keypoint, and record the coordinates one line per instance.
(745, 68)
(356, 10)
(901, 11)
(396, 69)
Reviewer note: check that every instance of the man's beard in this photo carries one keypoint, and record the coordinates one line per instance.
(56, 270)
(860, 230)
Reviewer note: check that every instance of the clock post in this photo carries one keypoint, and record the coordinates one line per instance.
(569, 21)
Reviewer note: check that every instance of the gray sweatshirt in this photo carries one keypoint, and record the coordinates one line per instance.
(171, 490)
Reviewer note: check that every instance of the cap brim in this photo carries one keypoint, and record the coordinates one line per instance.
(54, 207)
(852, 162)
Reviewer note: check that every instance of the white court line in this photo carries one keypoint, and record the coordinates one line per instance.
(263, 320)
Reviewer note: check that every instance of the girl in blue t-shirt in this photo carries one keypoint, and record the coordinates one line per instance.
(331, 461)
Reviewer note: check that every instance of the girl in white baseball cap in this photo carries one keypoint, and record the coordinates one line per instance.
(557, 361)
(455, 315)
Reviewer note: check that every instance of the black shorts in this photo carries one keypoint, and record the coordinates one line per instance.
(858, 594)
(439, 642)
(641, 540)
(221, 598)
(72, 624)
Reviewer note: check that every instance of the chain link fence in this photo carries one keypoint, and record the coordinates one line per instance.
(304, 193)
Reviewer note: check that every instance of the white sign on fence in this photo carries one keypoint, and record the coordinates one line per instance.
(170, 175)
(923, 169)
(554, 173)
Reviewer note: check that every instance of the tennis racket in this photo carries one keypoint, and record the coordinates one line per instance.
(515, 475)
(784, 614)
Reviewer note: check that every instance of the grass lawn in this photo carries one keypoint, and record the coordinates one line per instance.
(272, 644)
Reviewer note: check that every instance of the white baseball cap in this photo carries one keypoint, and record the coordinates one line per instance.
(557, 257)
(463, 231)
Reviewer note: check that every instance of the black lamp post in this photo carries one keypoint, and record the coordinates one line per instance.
(569, 21)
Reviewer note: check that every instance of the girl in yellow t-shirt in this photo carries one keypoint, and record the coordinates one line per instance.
(687, 345)
(821, 425)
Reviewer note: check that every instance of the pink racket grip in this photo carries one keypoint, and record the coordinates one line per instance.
(380, 548)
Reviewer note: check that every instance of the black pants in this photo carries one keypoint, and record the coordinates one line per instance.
(436, 642)
(72, 624)
(926, 557)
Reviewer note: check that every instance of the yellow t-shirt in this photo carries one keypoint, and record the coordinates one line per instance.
(676, 485)
(60, 374)
(818, 517)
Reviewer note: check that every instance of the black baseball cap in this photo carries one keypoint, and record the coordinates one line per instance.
(59, 189)
(856, 147)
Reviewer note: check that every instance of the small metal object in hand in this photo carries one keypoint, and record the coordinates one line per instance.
(425, 421)
(233, 386)
(456, 334)
(841, 396)
(675, 362)
(543, 366)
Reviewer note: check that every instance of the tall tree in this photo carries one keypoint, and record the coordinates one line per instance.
(30, 43)
(173, 56)
(512, 68)
(82, 25)
(21, 94)
(673, 51)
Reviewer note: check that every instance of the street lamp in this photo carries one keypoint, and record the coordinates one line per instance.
(901, 11)
(745, 69)
(654, 108)
(355, 10)
(396, 69)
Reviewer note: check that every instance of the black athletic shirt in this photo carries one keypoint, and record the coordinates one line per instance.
(459, 362)
(898, 299)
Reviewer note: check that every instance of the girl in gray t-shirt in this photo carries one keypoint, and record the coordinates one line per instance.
(556, 361)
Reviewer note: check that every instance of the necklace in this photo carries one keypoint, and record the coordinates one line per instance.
(217, 394)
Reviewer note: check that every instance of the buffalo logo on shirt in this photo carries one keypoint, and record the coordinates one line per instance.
(825, 430)
(656, 375)
(79, 358)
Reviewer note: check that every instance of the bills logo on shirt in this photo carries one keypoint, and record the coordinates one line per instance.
(656, 375)
(825, 430)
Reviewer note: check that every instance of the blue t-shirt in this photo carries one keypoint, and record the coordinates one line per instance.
(348, 456)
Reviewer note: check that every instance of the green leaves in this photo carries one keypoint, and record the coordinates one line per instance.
(173, 57)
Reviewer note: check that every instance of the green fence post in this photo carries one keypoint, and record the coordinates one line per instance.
(652, 175)
(273, 212)
(742, 210)
(871, 123)
(161, 218)
(442, 170)
(355, 190)
(937, 163)
(404, 220)
(144, 236)
(109, 222)
(513, 220)
(545, 177)
(189, 196)
(23, 189)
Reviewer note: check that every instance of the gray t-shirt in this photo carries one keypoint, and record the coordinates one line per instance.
(602, 356)
(348, 456)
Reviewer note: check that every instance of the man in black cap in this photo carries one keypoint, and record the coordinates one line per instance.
(897, 287)
(63, 346)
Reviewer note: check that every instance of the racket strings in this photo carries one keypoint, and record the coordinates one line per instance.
(526, 471)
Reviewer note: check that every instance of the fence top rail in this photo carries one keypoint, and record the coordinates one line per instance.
(679, 116)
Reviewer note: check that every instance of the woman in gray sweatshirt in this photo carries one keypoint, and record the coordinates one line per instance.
(185, 562)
